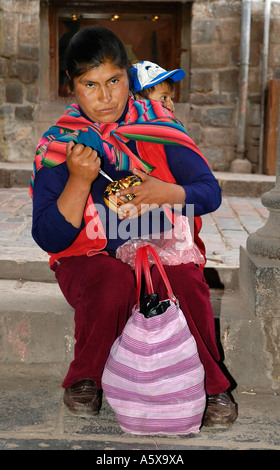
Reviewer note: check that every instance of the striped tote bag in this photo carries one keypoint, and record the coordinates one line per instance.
(153, 378)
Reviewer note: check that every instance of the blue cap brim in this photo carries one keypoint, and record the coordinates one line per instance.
(175, 75)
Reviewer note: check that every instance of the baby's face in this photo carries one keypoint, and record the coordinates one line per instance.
(164, 94)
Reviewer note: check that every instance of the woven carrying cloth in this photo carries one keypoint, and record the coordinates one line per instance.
(144, 121)
(153, 378)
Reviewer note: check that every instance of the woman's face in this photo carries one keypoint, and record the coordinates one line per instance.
(102, 92)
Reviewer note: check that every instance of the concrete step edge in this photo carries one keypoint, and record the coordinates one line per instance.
(46, 297)
(14, 174)
(216, 274)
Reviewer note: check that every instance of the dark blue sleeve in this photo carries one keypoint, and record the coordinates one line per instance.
(53, 233)
(192, 172)
(50, 229)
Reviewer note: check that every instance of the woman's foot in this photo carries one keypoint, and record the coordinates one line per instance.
(83, 397)
(221, 410)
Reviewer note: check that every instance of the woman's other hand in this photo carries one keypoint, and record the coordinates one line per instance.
(151, 193)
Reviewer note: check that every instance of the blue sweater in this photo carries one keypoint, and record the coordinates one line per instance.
(53, 233)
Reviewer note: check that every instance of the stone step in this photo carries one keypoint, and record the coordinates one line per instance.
(24, 265)
(36, 324)
(37, 334)
(15, 175)
(232, 184)
(36, 339)
(244, 185)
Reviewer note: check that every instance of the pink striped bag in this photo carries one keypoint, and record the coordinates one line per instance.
(153, 378)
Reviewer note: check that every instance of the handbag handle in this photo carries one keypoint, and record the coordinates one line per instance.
(142, 260)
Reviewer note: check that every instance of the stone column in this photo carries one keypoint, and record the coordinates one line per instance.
(263, 248)
(260, 287)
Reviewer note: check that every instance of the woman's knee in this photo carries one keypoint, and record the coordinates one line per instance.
(110, 276)
(183, 276)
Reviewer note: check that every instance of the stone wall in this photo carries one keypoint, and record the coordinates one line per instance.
(215, 55)
(19, 72)
(211, 114)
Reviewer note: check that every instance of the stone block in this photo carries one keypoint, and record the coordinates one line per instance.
(254, 120)
(202, 31)
(255, 55)
(218, 137)
(202, 82)
(254, 85)
(260, 283)
(250, 325)
(207, 57)
(202, 99)
(250, 344)
(22, 7)
(28, 52)
(274, 56)
(194, 131)
(36, 324)
(28, 72)
(274, 29)
(228, 81)
(9, 32)
(229, 30)
(182, 112)
(4, 178)
(6, 110)
(35, 338)
(32, 93)
(218, 117)
(241, 166)
(14, 93)
(37, 270)
(251, 350)
(29, 32)
(226, 9)
(244, 185)
(24, 113)
(215, 158)
(4, 67)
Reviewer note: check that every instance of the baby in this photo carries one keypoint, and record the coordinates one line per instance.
(150, 81)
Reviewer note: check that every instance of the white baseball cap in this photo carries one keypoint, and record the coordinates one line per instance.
(146, 74)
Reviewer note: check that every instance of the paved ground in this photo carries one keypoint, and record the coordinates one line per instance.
(33, 417)
(223, 231)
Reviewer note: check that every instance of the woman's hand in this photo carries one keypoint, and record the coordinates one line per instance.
(150, 194)
(83, 162)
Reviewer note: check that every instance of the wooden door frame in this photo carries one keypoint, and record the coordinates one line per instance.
(179, 50)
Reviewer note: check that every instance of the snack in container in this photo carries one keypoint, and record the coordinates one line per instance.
(113, 201)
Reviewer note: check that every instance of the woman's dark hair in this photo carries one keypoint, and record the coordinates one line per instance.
(91, 47)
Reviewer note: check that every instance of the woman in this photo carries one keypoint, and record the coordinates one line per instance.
(73, 224)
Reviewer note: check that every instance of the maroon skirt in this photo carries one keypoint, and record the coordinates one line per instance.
(102, 291)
